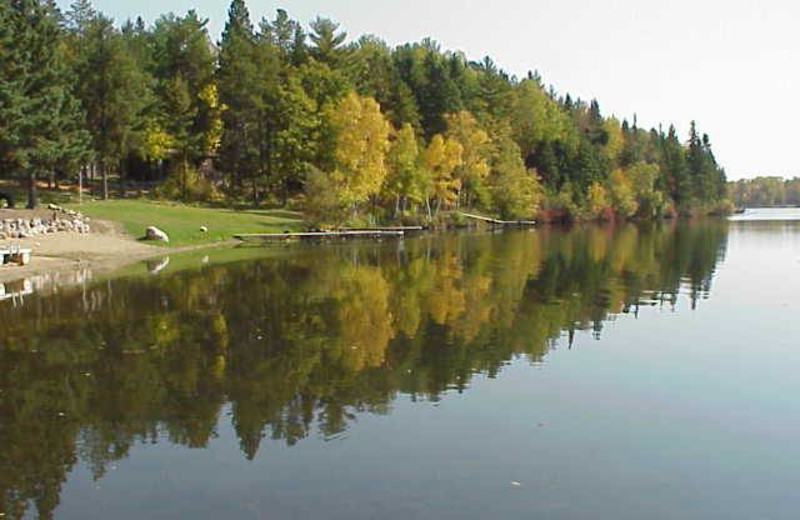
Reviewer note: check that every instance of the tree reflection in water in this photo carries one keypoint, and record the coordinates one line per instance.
(308, 340)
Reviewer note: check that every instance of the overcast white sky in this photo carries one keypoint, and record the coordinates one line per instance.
(734, 66)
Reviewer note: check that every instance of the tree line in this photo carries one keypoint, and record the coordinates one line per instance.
(276, 113)
(765, 191)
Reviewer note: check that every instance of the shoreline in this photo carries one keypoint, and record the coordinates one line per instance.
(103, 250)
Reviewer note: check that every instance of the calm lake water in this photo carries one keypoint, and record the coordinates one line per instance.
(623, 372)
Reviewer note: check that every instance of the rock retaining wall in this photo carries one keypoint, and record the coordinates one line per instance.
(63, 220)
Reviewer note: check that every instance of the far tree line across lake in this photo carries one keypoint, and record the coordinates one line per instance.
(765, 191)
(276, 113)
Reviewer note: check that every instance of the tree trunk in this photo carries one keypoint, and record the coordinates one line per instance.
(184, 175)
(104, 173)
(33, 199)
(80, 184)
(120, 184)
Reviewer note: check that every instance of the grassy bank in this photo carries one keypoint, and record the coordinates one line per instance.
(182, 223)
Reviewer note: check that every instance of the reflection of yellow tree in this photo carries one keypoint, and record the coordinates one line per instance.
(363, 316)
(518, 259)
(446, 302)
(410, 285)
(477, 305)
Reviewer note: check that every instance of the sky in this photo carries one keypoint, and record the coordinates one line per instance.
(731, 65)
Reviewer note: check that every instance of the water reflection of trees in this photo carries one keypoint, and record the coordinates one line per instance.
(308, 340)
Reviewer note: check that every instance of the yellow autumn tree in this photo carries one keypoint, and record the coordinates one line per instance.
(596, 200)
(623, 197)
(360, 141)
(474, 168)
(441, 158)
(157, 143)
(213, 110)
(405, 181)
(615, 141)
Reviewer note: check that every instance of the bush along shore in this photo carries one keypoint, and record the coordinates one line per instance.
(351, 132)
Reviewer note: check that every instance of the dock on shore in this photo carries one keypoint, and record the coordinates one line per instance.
(383, 228)
(372, 233)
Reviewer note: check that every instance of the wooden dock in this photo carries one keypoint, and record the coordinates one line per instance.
(310, 235)
(384, 228)
(498, 222)
(14, 255)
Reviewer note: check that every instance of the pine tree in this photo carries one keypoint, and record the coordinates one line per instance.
(328, 42)
(14, 105)
(80, 13)
(237, 84)
(674, 170)
(112, 91)
(40, 120)
(438, 96)
(183, 71)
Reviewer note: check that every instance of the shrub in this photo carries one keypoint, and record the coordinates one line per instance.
(187, 184)
(721, 208)
(670, 212)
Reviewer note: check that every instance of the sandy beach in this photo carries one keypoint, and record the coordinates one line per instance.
(106, 246)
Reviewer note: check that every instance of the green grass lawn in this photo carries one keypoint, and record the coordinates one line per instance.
(182, 223)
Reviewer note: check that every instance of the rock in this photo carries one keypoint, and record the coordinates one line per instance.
(153, 233)
(203, 229)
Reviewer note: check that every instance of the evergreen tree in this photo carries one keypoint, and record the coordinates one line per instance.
(674, 170)
(40, 121)
(113, 92)
(237, 83)
(438, 95)
(328, 40)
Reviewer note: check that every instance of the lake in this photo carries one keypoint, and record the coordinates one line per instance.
(600, 372)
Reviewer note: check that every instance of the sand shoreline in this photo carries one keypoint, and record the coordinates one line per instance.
(105, 248)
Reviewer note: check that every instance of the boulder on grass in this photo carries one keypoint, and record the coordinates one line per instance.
(153, 233)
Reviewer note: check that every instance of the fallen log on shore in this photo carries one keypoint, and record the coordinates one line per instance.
(498, 222)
